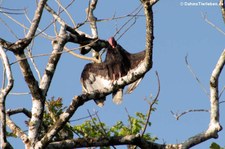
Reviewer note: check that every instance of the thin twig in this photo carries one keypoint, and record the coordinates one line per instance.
(80, 56)
(47, 54)
(12, 11)
(16, 94)
(151, 105)
(129, 118)
(128, 28)
(65, 10)
(85, 117)
(223, 89)
(213, 25)
(43, 34)
(103, 132)
(196, 77)
(139, 8)
(102, 127)
(29, 51)
(10, 29)
(178, 116)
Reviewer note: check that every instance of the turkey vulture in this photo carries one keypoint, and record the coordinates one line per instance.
(97, 77)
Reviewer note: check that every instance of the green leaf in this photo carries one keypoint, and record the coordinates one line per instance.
(215, 146)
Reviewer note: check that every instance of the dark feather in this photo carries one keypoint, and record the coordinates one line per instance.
(99, 76)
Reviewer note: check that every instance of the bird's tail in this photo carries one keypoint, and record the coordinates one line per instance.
(118, 96)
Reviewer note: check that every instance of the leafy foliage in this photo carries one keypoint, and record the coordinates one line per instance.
(215, 146)
(54, 108)
(95, 128)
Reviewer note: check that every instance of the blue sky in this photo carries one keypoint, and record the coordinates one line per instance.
(179, 31)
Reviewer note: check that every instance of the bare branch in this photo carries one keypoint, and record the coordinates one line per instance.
(103, 131)
(178, 116)
(66, 51)
(19, 110)
(17, 131)
(36, 19)
(213, 25)
(214, 95)
(20, 93)
(64, 9)
(221, 93)
(29, 51)
(222, 5)
(195, 76)
(10, 29)
(3, 94)
(41, 32)
(36, 93)
(58, 45)
(151, 105)
(91, 18)
(214, 125)
(80, 56)
(11, 11)
(85, 117)
(138, 9)
(96, 142)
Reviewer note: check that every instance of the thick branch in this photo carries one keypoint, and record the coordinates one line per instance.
(17, 131)
(37, 96)
(214, 94)
(222, 5)
(91, 18)
(3, 94)
(58, 45)
(147, 4)
(36, 19)
(97, 142)
(19, 110)
(21, 44)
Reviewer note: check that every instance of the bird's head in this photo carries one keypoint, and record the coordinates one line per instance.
(112, 42)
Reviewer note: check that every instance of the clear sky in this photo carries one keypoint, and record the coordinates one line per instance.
(179, 30)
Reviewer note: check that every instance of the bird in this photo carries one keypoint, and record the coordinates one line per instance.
(98, 77)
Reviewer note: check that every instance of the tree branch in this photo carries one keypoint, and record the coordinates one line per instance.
(151, 105)
(178, 116)
(91, 18)
(77, 36)
(36, 19)
(19, 110)
(17, 131)
(130, 77)
(37, 96)
(21, 44)
(58, 45)
(214, 125)
(3, 94)
(222, 5)
(96, 142)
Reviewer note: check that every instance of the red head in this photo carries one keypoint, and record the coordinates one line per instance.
(112, 42)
